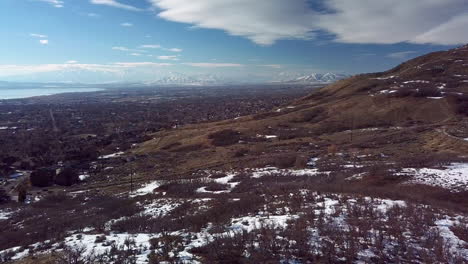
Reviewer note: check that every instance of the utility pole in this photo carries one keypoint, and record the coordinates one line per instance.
(131, 182)
(132, 172)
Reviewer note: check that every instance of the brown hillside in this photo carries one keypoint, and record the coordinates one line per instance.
(413, 108)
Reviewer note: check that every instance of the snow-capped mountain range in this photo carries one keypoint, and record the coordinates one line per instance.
(317, 78)
(156, 77)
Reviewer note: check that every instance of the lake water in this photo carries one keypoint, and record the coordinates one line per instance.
(17, 93)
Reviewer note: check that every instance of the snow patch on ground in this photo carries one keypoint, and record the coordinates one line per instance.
(223, 180)
(113, 155)
(160, 207)
(386, 204)
(267, 136)
(456, 245)
(258, 173)
(385, 78)
(88, 242)
(204, 190)
(146, 189)
(250, 223)
(416, 81)
(84, 176)
(5, 215)
(453, 177)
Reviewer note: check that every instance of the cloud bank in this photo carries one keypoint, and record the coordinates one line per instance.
(262, 21)
(358, 21)
(7, 70)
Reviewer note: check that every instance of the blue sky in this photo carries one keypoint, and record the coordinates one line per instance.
(118, 40)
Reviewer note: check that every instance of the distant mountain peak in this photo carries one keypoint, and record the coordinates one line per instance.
(312, 78)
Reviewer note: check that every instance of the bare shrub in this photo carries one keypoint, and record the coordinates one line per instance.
(181, 189)
(281, 161)
(166, 247)
(4, 197)
(225, 249)
(428, 91)
(313, 115)
(240, 153)
(461, 231)
(461, 104)
(75, 255)
(217, 175)
(224, 137)
(214, 187)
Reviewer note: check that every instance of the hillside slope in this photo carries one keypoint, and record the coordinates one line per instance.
(420, 106)
(372, 169)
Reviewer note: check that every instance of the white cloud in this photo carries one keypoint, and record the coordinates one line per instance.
(114, 3)
(274, 66)
(359, 21)
(13, 70)
(121, 48)
(156, 46)
(93, 15)
(150, 46)
(262, 21)
(34, 35)
(126, 24)
(44, 41)
(7, 70)
(54, 3)
(212, 65)
(175, 50)
(135, 54)
(174, 58)
(394, 21)
(71, 61)
(140, 64)
(450, 32)
(400, 55)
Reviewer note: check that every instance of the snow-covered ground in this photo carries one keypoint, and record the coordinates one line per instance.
(5, 214)
(332, 208)
(227, 180)
(258, 173)
(255, 173)
(267, 136)
(453, 177)
(113, 155)
(88, 242)
(146, 189)
(84, 176)
(160, 207)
